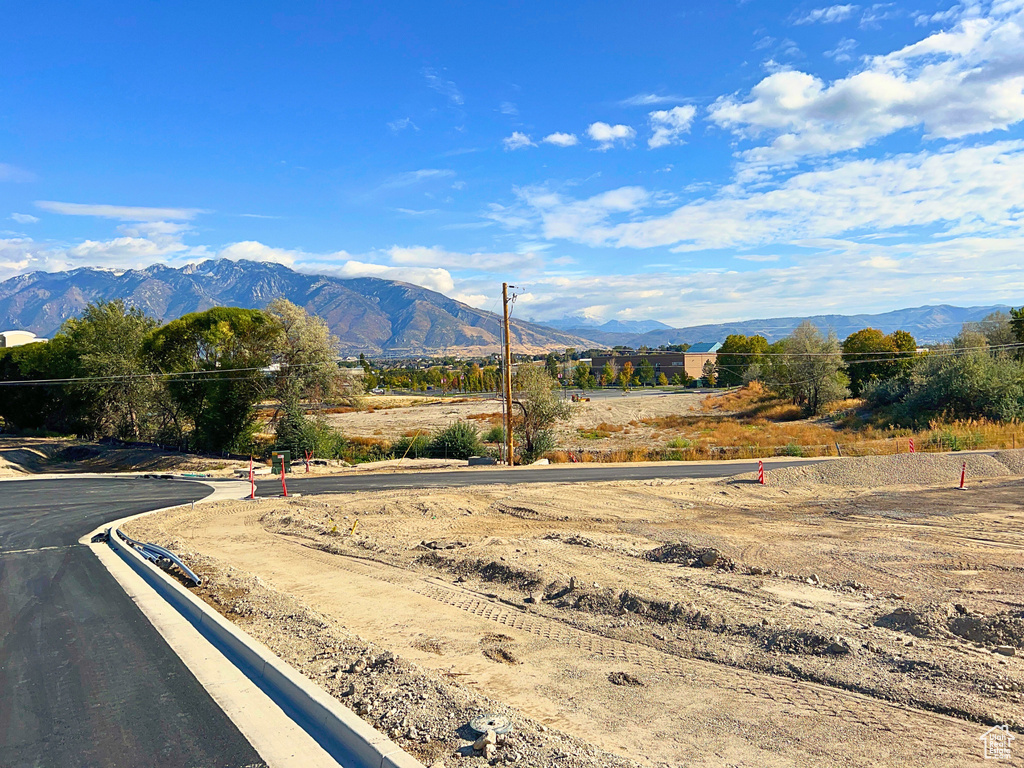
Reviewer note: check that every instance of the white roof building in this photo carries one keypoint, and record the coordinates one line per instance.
(17, 338)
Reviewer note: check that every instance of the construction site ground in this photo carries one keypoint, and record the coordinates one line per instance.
(852, 613)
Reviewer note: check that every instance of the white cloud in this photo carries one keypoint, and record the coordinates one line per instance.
(843, 51)
(121, 212)
(829, 15)
(961, 191)
(987, 270)
(963, 82)
(435, 279)
(649, 100)
(436, 256)
(561, 139)
(607, 135)
(397, 126)
(24, 218)
(668, 125)
(252, 250)
(517, 141)
(508, 108)
(446, 88)
(14, 173)
(412, 178)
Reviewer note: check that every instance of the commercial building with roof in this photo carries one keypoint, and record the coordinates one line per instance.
(18, 338)
(690, 362)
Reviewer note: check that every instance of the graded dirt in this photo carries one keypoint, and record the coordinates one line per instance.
(697, 623)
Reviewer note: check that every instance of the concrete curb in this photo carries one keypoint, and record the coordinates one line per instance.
(347, 737)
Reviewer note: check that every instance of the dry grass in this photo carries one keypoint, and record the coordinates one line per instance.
(751, 423)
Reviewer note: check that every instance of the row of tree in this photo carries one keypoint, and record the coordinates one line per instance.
(194, 383)
(979, 374)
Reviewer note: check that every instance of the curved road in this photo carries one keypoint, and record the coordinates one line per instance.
(85, 679)
(556, 473)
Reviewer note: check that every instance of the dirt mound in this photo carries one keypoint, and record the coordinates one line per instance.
(907, 620)
(624, 678)
(796, 641)
(76, 453)
(1013, 460)
(1000, 629)
(689, 554)
(492, 570)
(900, 469)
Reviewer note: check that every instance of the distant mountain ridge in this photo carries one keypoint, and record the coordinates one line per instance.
(368, 314)
(386, 317)
(582, 325)
(928, 324)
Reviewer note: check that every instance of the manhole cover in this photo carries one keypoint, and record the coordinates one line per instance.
(491, 722)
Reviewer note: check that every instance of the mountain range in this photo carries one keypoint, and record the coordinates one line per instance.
(928, 325)
(367, 314)
(386, 317)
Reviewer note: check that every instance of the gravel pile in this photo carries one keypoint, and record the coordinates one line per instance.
(1012, 459)
(900, 469)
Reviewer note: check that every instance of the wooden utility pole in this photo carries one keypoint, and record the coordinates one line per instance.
(507, 383)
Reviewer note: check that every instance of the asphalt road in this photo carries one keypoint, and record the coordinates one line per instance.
(461, 478)
(85, 679)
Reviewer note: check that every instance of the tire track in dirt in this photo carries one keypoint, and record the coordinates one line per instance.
(798, 696)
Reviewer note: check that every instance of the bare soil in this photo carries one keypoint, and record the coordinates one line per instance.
(621, 415)
(698, 623)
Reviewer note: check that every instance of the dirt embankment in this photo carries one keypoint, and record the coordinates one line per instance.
(689, 622)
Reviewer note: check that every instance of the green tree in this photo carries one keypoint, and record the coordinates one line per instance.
(305, 354)
(223, 353)
(582, 377)
(808, 368)
(736, 357)
(53, 407)
(645, 371)
(607, 374)
(1017, 324)
(709, 373)
(872, 356)
(626, 376)
(662, 380)
(551, 365)
(108, 341)
(539, 407)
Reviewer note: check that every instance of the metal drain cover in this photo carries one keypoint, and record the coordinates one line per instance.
(491, 722)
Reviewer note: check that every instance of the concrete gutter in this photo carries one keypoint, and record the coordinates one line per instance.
(346, 737)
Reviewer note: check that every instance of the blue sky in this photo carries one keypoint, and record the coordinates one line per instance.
(689, 162)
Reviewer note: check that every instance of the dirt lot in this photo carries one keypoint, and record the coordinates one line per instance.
(816, 621)
(36, 455)
(620, 414)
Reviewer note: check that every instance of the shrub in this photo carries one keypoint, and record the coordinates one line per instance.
(543, 442)
(417, 447)
(459, 440)
(494, 435)
(297, 432)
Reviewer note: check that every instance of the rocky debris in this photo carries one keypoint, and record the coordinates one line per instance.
(497, 647)
(437, 545)
(624, 678)
(1005, 628)
(1005, 650)
(806, 642)
(689, 554)
(898, 469)
(903, 619)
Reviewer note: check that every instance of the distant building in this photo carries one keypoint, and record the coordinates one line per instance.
(18, 338)
(670, 363)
